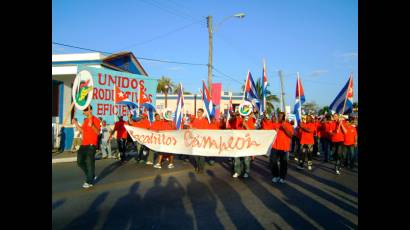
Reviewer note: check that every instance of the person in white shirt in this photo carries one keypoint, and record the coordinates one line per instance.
(105, 144)
(77, 139)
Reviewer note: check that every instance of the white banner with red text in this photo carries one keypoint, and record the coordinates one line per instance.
(210, 143)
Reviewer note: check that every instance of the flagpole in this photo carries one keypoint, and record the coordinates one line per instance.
(344, 104)
(244, 89)
(300, 102)
(263, 86)
(68, 113)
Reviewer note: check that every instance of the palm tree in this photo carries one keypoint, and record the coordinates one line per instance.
(165, 86)
(269, 96)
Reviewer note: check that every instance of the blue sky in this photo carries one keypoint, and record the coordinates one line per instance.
(317, 38)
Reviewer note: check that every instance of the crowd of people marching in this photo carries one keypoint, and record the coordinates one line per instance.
(332, 136)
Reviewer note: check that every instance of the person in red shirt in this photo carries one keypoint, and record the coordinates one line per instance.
(280, 148)
(350, 142)
(166, 125)
(200, 123)
(121, 137)
(307, 128)
(244, 163)
(143, 123)
(157, 125)
(326, 142)
(86, 154)
(337, 139)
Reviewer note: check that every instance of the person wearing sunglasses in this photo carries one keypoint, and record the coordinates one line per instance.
(86, 154)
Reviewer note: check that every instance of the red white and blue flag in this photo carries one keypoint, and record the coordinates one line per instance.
(264, 81)
(180, 107)
(251, 94)
(121, 98)
(345, 95)
(300, 99)
(206, 98)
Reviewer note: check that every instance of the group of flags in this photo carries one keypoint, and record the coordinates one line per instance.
(343, 103)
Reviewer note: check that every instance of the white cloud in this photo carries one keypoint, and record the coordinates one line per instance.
(175, 68)
(318, 72)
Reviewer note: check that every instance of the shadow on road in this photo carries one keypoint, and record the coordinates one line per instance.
(327, 182)
(89, 219)
(126, 211)
(321, 214)
(274, 204)
(239, 214)
(58, 203)
(203, 204)
(108, 170)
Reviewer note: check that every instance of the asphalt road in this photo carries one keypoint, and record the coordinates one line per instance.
(135, 196)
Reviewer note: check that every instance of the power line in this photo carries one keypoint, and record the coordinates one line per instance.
(155, 4)
(160, 36)
(81, 48)
(177, 8)
(227, 76)
(141, 58)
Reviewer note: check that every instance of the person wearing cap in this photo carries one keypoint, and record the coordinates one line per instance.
(307, 128)
(350, 141)
(280, 148)
(121, 137)
(86, 154)
(337, 139)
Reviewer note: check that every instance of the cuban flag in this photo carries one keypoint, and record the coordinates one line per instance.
(300, 99)
(206, 98)
(264, 81)
(121, 98)
(343, 103)
(180, 107)
(149, 110)
(251, 94)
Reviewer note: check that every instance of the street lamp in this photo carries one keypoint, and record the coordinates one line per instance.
(210, 32)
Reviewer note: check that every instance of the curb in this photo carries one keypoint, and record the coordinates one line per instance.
(74, 159)
(62, 160)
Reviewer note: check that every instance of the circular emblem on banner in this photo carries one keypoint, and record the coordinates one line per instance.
(167, 114)
(82, 89)
(245, 108)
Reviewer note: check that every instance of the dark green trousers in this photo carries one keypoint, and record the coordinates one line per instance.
(86, 161)
(199, 163)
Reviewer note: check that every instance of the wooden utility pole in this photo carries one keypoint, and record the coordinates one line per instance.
(282, 91)
(209, 22)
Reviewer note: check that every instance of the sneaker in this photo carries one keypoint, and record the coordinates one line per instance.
(337, 172)
(158, 166)
(149, 163)
(309, 167)
(299, 167)
(275, 179)
(245, 175)
(171, 166)
(281, 181)
(235, 175)
(95, 178)
(87, 185)
(296, 159)
(318, 153)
